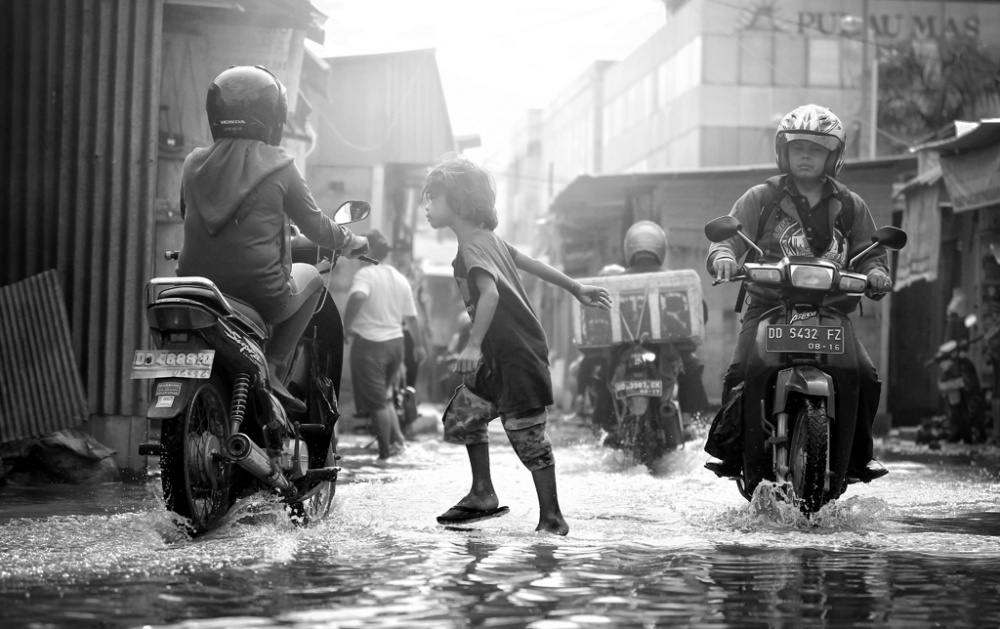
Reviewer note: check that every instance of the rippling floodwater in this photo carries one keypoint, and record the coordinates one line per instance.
(918, 548)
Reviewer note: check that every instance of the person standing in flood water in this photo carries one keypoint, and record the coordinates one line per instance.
(505, 361)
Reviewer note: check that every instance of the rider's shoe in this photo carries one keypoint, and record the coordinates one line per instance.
(289, 401)
(868, 473)
(725, 469)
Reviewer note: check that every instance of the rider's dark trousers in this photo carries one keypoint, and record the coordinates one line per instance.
(869, 385)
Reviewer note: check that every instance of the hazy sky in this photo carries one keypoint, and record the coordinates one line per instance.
(497, 59)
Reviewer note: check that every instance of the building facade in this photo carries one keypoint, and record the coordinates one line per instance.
(708, 89)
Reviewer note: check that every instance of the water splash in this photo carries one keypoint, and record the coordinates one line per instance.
(772, 508)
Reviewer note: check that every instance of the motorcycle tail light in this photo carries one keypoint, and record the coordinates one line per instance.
(766, 276)
(815, 277)
(853, 283)
(177, 317)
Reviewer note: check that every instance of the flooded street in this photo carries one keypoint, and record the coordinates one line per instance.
(680, 547)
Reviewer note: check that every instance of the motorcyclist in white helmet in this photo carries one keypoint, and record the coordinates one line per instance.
(814, 215)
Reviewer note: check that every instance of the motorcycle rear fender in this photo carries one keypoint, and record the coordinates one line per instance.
(169, 397)
(807, 380)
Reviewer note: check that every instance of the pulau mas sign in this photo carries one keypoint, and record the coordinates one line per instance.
(930, 23)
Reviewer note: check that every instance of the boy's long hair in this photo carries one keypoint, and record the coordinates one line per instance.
(467, 187)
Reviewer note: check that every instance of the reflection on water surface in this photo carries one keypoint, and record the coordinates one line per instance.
(678, 548)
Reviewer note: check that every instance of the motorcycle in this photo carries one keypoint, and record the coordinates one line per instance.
(800, 396)
(958, 384)
(223, 433)
(648, 416)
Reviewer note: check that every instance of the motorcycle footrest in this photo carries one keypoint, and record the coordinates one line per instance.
(776, 441)
(313, 429)
(150, 449)
(322, 473)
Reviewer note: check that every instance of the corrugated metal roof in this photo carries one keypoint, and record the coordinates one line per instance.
(382, 109)
(968, 137)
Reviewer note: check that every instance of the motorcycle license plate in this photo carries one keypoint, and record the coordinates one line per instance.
(807, 339)
(954, 384)
(172, 364)
(632, 388)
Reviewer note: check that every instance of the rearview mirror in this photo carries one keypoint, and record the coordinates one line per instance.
(352, 212)
(890, 237)
(722, 228)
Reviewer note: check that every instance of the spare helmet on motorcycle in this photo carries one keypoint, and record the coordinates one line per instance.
(247, 102)
(812, 123)
(645, 237)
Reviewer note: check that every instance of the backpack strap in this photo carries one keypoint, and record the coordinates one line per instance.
(773, 194)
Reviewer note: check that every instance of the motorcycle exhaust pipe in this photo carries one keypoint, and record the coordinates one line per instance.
(248, 455)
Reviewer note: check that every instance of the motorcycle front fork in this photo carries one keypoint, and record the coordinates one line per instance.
(778, 439)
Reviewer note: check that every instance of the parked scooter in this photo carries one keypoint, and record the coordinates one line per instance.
(223, 434)
(800, 397)
(958, 384)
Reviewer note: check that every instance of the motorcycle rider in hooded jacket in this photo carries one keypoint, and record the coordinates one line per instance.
(238, 197)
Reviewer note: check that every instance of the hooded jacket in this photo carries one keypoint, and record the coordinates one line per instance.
(237, 197)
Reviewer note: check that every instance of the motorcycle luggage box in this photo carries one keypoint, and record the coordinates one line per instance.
(666, 305)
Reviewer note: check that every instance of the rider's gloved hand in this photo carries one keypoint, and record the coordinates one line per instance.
(878, 283)
(355, 246)
(724, 268)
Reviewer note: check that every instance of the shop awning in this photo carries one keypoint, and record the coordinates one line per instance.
(970, 164)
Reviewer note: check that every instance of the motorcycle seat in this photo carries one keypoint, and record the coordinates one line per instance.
(239, 311)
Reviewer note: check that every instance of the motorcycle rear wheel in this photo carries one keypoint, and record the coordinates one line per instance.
(641, 437)
(808, 452)
(197, 479)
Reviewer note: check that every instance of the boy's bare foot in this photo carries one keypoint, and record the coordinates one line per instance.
(552, 524)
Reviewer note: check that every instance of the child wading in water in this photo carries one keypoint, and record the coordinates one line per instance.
(506, 359)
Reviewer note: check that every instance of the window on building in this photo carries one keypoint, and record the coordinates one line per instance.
(756, 58)
(687, 66)
(824, 62)
(721, 53)
(790, 61)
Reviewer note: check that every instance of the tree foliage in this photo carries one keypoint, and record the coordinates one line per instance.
(925, 85)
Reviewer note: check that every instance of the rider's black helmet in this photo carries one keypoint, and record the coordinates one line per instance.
(247, 102)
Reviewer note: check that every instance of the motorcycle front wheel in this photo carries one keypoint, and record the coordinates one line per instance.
(197, 479)
(319, 493)
(807, 453)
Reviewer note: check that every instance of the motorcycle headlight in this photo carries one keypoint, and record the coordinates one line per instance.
(815, 277)
(767, 276)
(853, 283)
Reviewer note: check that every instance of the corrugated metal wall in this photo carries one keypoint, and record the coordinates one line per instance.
(40, 386)
(77, 171)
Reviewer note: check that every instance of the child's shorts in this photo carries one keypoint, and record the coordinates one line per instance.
(467, 417)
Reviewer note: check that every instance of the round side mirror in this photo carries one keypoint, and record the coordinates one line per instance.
(722, 228)
(890, 237)
(352, 212)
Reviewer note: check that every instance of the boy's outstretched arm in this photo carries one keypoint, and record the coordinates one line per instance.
(595, 296)
(486, 307)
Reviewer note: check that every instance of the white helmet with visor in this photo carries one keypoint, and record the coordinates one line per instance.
(812, 123)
